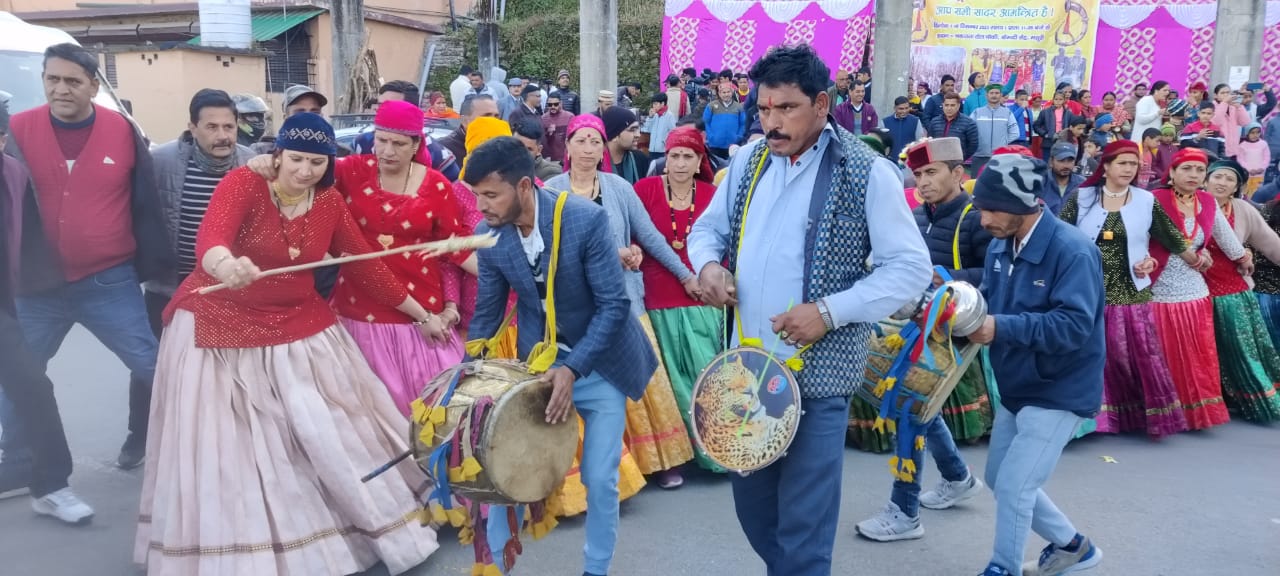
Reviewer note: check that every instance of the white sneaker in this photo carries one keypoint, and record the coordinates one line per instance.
(63, 505)
(891, 525)
(948, 494)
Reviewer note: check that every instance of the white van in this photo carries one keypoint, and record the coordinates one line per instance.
(22, 48)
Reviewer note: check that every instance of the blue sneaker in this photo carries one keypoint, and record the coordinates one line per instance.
(1055, 561)
(994, 570)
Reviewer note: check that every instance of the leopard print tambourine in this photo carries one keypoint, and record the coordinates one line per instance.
(746, 407)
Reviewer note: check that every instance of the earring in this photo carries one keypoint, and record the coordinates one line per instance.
(276, 164)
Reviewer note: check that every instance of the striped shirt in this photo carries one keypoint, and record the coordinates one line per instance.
(197, 189)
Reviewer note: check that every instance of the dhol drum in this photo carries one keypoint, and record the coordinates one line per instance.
(934, 383)
(502, 409)
(746, 407)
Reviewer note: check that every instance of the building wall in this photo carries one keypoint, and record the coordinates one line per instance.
(160, 84)
(398, 51)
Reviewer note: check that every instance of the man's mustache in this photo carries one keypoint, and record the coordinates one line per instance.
(776, 135)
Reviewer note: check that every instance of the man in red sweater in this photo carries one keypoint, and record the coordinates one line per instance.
(92, 231)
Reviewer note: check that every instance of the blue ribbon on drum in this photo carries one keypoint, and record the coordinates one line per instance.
(909, 349)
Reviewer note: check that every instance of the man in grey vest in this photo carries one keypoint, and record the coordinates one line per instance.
(822, 203)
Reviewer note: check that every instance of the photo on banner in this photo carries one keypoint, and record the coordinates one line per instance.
(1045, 42)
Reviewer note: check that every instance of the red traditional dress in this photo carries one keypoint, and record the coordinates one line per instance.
(688, 333)
(265, 414)
(398, 353)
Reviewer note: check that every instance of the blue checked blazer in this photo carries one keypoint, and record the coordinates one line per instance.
(592, 308)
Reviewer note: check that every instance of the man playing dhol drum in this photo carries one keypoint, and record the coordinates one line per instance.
(820, 203)
(601, 355)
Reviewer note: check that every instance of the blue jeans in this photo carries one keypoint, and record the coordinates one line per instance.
(1024, 451)
(603, 409)
(942, 447)
(110, 305)
(790, 509)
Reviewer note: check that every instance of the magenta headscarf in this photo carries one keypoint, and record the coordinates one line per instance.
(595, 123)
(400, 117)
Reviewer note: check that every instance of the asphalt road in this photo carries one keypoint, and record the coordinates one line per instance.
(1199, 504)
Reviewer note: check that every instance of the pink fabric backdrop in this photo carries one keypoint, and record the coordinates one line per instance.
(694, 37)
(1156, 48)
(1270, 73)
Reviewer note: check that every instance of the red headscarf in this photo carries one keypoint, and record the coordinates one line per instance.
(593, 122)
(1111, 152)
(400, 117)
(1183, 156)
(690, 137)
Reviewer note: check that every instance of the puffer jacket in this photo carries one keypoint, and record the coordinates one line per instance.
(170, 163)
(938, 226)
(962, 127)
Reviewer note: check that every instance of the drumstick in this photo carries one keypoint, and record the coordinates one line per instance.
(383, 468)
(755, 393)
(441, 246)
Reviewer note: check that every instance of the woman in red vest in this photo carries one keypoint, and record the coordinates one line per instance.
(265, 412)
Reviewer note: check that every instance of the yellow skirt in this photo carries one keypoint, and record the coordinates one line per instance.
(656, 433)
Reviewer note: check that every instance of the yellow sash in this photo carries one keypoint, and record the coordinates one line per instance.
(544, 353)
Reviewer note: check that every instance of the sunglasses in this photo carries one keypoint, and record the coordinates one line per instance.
(553, 104)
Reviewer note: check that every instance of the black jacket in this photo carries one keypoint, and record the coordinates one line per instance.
(938, 226)
(456, 142)
(569, 100)
(6, 288)
(40, 269)
(963, 127)
(1045, 125)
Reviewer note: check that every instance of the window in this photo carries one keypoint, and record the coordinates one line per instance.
(288, 59)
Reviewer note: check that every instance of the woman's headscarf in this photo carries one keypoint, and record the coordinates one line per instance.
(309, 133)
(690, 137)
(405, 119)
(1242, 175)
(591, 122)
(1111, 152)
(481, 130)
(1183, 156)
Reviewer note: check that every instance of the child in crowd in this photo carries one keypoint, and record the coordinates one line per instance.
(1150, 149)
(1088, 163)
(1204, 134)
(1254, 154)
(1168, 147)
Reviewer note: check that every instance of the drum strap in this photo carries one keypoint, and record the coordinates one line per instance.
(955, 241)
(795, 362)
(543, 355)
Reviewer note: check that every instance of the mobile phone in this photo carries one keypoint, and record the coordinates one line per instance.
(1255, 86)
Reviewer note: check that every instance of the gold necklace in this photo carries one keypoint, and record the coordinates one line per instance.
(386, 240)
(285, 200)
(589, 194)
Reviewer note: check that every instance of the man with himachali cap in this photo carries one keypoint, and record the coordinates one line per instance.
(953, 232)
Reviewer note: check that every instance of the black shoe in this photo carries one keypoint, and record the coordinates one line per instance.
(133, 453)
(15, 478)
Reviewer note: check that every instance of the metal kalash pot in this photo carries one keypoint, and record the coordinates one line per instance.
(970, 312)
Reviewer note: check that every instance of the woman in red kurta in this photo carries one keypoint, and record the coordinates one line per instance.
(688, 332)
(265, 413)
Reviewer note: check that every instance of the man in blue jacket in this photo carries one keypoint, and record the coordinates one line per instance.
(1043, 285)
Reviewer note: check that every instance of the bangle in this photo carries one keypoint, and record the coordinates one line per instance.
(424, 320)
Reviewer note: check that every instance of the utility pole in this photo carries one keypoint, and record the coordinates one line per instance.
(1238, 41)
(597, 47)
(347, 18)
(892, 51)
(487, 37)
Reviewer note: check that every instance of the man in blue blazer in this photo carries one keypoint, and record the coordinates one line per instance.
(602, 356)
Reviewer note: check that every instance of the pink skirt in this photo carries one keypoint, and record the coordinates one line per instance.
(1187, 337)
(254, 460)
(402, 358)
(1138, 392)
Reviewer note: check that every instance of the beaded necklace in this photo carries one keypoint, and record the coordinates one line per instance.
(678, 241)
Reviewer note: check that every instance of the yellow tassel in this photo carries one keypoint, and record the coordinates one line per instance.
(457, 517)
(542, 357)
(894, 342)
(438, 415)
(908, 477)
(418, 410)
(893, 464)
(919, 442)
(879, 425)
(751, 342)
(795, 363)
(466, 535)
(438, 514)
(492, 570)
(427, 435)
(455, 475)
(891, 426)
(470, 468)
(909, 465)
(476, 349)
(477, 569)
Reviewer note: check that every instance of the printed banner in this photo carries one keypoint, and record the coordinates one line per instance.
(733, 34)
(1045, 42)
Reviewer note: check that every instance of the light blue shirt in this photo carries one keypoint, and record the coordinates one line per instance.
(771, 264)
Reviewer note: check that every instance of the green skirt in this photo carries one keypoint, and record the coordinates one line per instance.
(689, 339)
(967, 411)
(1250, 367)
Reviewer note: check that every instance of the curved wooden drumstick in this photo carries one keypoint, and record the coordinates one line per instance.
(432, 250)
